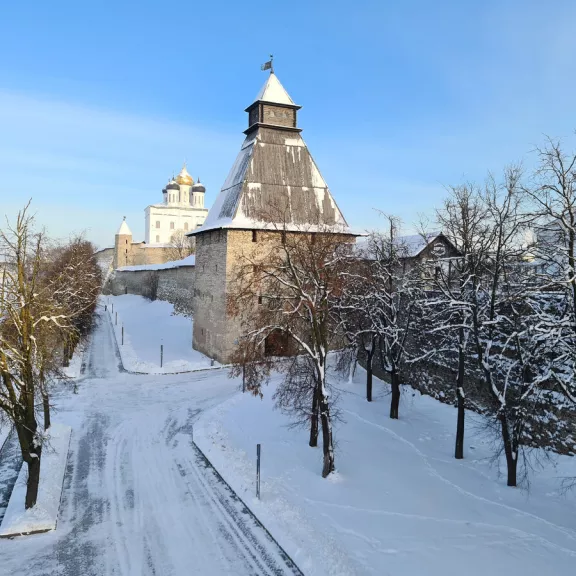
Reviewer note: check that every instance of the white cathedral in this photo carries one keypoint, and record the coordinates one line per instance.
(182, 208)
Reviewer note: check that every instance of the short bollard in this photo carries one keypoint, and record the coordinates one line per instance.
(258, 471)
(212, 362)
(161, 354)
(105, 307)
(112, 307)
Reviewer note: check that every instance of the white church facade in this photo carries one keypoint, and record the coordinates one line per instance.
(182, 208)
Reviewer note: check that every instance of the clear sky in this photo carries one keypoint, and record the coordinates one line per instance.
(101, 101)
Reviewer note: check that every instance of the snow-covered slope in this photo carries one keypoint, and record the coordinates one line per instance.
(399, 504)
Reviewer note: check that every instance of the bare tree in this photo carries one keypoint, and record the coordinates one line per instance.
(37, 311)
(390, 300)
(284, 296)
(552, 196)
(450, 307)
(181, 246)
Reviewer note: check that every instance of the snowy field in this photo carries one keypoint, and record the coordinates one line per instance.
(147, 326)
(400, 504)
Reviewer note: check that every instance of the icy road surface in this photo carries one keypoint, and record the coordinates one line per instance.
(139, 499)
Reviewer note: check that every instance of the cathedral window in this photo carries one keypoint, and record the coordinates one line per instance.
(254, 236)
(171, 225)
(157, 223)
(185, 225)
(157, 238)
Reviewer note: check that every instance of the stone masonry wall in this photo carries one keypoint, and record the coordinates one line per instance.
(209, 296)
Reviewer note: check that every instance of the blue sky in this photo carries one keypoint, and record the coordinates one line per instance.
(100, 102)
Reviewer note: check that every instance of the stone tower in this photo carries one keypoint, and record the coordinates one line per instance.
(273, 178)
(123, 246)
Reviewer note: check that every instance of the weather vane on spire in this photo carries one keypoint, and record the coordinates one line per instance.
(268, 65)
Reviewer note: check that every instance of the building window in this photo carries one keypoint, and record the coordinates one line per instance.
(260, 299)
(313, 239)
(254, 236)
(171, 225)
(185, 225)
(126, 241)
(157, 238)
(283, 236)
(157, 223)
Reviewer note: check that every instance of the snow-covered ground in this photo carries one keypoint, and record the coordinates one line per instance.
(138, 498)
(399, 504)
(44, 515)
(147, 326)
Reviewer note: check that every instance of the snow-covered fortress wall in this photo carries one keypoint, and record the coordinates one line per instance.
(175, 281)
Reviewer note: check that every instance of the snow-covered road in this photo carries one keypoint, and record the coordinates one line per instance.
(139, 498)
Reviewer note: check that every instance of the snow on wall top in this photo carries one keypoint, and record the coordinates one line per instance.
(124, 229)
(188, 261)
(273, 91)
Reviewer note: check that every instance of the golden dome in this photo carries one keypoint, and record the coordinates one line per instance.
(184, 177)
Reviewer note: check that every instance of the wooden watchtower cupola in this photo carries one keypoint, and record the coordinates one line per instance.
(273, 108)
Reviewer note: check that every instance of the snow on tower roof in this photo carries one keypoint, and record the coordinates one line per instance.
(124, 228)
(274, 92)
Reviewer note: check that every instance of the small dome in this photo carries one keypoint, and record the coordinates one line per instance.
(198, 187)
(172, 185)
(184, 178)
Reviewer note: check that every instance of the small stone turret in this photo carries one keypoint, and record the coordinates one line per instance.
(123, 246)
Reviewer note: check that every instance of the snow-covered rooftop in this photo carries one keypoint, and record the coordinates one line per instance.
(273, 91)
(124, 229)
(409, 246)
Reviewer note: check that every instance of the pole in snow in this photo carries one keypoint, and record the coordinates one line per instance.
(122, 334)
(258, 471)
(116, 318)
(161, 354)
(112, 307)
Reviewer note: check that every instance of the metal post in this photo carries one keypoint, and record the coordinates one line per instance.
(258, 471)
(243, 378)
(105, 307)
(112, 307)
(122, 335)
(161, 354)
(116, 318)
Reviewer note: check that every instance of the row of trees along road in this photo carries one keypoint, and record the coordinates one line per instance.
(48, 294)
(499, 316)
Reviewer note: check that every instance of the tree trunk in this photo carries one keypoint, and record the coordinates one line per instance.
(46, 407)
(327, 444)
(369, 357)
(395, 401)
(26, 430)
(459, 450)
(509, 451)
(33, 478)
(314, 419)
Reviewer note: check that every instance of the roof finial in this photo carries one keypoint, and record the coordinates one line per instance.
(124, 218)
(268, 65)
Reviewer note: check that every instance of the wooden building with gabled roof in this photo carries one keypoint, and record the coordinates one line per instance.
(274, 187)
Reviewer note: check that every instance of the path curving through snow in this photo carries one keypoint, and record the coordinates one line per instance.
(139, 498)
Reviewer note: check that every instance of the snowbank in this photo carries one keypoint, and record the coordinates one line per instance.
(74, 369)
(147, 326)
(399, 503)
(18, 521)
